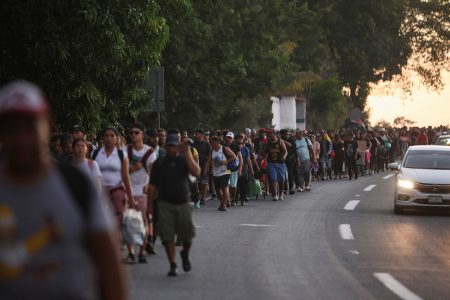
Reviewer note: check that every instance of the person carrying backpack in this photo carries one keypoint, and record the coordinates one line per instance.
(170, 178)
(141, 158)
(247, 169)
(220, 157)
(351, 153)
(114, 165)
(305, 154)
(58, 237)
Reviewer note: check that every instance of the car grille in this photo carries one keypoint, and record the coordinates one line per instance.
(433, 188)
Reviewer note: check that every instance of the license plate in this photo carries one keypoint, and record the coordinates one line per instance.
(435, 199)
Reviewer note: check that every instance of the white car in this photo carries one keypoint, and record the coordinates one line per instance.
(443, 140)
(423, 178)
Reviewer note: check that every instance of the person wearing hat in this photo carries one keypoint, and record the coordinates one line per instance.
(260, 142)
(36, 192)
(170, 178)
(78, 132)
(235, 174)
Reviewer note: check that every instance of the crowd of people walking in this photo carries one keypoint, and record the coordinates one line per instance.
(163, 174)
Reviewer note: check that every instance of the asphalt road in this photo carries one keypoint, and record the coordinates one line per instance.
(309, 247)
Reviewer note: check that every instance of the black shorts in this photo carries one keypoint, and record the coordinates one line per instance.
(222, 181)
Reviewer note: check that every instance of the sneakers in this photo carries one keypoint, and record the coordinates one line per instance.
(142, 259)
(197, 205)
(233, 204)
(300, 189)
(281, 197)
(275, 198)
(243, 203)
(150, 248)
(186, 262)
(308, 188)
(131, 258)
(221, 208)
(291, 192)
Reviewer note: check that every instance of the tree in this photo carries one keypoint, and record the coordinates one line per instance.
(365, 39)
(382, 124)
(426, 27)
(225, 59)
(90, 57)
(402, 121)
(328, 107)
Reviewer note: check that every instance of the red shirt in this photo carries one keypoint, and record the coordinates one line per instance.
(422, 139)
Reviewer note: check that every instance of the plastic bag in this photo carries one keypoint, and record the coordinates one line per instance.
(133, 229)
(254, 188)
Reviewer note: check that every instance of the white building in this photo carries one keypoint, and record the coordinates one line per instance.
(289, 112)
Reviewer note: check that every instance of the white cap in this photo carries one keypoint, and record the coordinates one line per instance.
(22, 98)
(248, 130)
(230, 134)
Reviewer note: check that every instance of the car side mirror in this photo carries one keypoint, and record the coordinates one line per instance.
(394, 166)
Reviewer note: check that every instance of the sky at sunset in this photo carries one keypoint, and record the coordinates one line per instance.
(387, 101)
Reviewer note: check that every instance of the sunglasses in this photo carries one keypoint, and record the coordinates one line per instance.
(135, 132)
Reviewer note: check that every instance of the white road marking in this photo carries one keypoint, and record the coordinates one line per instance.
(354, 252)
(396, 287)
(346, 232)
(257, 225)
(357, 195)
(388, 176)
(370, 187)
(198, 226)
(351, 205)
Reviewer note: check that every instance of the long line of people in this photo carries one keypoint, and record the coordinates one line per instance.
(277, 163)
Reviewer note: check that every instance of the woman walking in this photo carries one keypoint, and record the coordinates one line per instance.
(113, 163)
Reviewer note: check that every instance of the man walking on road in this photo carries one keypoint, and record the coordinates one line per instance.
(170, 176)
(275, 153)
(204, 152)
(57, 234)
(305, 154)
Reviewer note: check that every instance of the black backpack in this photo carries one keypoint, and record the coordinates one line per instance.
(79, 186)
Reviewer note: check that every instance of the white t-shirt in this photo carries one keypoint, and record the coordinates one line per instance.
(219, 169)
(140, 178)
(90, 168)
(111, 168)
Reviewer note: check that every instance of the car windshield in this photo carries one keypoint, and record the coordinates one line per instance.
(439, 160)
(443, 141)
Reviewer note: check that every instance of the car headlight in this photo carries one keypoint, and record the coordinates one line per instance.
(407, 184)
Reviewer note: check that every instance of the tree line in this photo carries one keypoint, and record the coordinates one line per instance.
(222, 59)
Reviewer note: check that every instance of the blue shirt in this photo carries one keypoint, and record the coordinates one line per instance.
(301, 147)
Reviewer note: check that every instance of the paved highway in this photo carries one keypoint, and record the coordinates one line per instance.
(339, 241)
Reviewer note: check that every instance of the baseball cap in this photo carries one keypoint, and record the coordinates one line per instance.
(172, 139)
(152, 133)
(248, 130)
(22, 98)
(230, 134)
